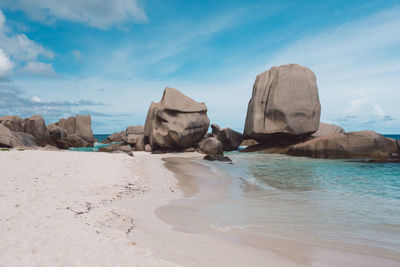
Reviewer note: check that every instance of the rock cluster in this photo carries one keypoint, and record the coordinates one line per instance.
(283, 117)
(72, 132)
(32, 131)
(132, 139)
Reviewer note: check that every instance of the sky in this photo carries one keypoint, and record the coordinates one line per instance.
(111, 58)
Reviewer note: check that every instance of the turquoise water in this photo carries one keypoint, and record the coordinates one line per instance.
(97, 145)
(394, 136)
(331, 202)
(351, 202)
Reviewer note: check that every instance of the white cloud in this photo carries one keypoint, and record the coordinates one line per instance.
(95, 13)
(17, 49)
(6, 65)
(36, 99)
(38, 68)
(77, 54)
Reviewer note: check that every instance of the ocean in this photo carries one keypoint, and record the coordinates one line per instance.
(330, 203)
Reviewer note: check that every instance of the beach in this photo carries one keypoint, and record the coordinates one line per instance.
(77, 209)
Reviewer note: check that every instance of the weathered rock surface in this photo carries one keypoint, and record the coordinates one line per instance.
(284, 106)
(176, 122)
(72, 132)
(116, 137)
(110, 148)
(14, 123)
(138, 129)
(365, 144)
(229, 138)
(36, 126)
(15, 139)
(211, 146)
(326, 129)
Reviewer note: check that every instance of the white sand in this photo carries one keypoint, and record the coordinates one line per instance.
(42, 195)
(61, 208)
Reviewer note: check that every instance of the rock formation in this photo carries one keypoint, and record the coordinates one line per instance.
(72, 132)
(364, 144)
(229, 138)
(36, 126)
(176, 122)
(284, 106)
(14, 123)
(211, 146)
(327, 129)
(11, 139)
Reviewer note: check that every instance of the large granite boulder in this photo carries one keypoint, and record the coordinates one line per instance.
(72, 132)
(211, 146)
(117, 137)
(10, 139)
(36, 126)
(14, 123)
(326, 129)
(284, 106)
(365, 144)
(229, 138)
(176, 122)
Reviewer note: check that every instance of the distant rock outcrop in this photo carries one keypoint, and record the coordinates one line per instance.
(72, 132)
(326, 129)
(284, 106)
(14, 123)
(36, 126)
(229, 138)
(364, 144)
(176, 122)
(11, 139)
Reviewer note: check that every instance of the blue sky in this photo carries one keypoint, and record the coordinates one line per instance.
(112, 58)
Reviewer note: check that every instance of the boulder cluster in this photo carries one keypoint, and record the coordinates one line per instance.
(283, 116)
(176, 123)
(33, 132)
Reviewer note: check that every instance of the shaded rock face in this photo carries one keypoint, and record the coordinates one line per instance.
(211, 146)
(11, 139)
(229, 138)
(176, 122)
(36, 126)
(284, 106)
(326, 129)
(116, 137)
(364, 144)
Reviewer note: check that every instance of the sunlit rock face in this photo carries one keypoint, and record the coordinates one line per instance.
(175, 122)
(284, 106)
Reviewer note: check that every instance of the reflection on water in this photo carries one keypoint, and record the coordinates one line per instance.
(353, 203)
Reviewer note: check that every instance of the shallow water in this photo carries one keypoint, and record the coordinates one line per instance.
(334, 203)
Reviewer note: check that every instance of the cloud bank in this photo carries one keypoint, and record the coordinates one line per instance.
(101, 14)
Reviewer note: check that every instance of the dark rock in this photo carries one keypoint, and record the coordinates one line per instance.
(211, 146)
(229, 138)
(284, 106)
(217, 158)
(73, 140)
(176, 122)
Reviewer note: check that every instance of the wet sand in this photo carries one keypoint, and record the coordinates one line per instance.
(202, 186)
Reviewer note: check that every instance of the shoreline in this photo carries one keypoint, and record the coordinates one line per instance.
(297, 251)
